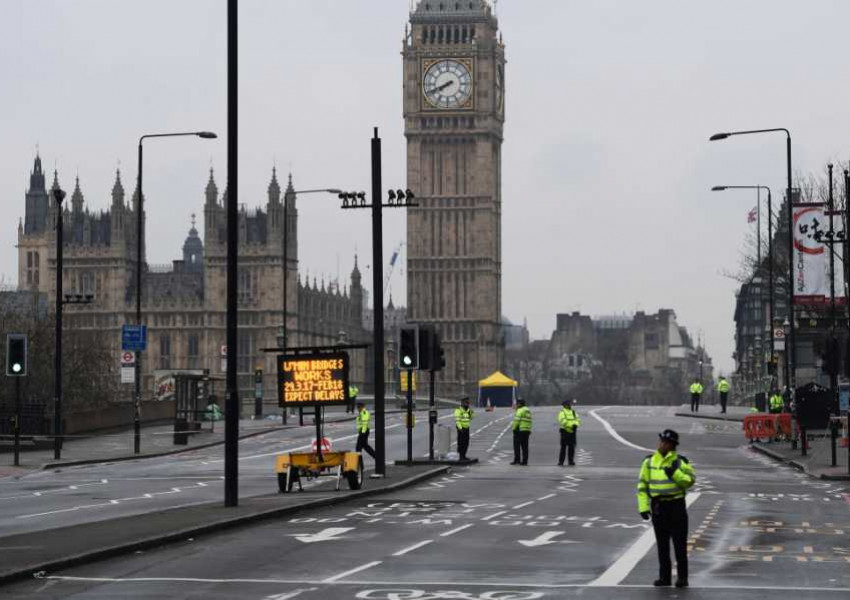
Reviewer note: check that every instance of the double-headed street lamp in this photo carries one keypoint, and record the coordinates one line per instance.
(791, 350)
(137, 427)
(721, 188)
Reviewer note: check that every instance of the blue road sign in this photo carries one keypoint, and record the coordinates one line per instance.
(134, 338)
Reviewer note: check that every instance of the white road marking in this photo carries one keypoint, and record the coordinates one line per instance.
(524, 504)
(614, 433)
(631, 557)
(547, 496)
(292, 594)
(41, 493)
(455, 530)
(344, 574)
(465, 584)
(412, 548)
(494, 515)
(546, 538)
(325, 535)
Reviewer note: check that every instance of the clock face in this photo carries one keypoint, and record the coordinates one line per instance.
(447, 84)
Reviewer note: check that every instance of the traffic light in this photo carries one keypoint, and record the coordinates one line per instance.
(427, 336)
(831, 357)
(408, 347)
(438, 360)
(16, 355)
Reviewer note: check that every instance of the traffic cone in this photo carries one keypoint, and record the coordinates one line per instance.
(489, 406)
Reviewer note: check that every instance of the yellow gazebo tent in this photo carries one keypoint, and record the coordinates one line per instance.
(498, 388)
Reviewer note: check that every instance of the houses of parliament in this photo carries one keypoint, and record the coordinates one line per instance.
(184, 304)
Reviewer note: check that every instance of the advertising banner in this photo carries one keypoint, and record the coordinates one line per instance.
(811, 256)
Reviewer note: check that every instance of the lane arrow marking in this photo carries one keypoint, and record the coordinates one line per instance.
(325, 535)
(545, 539)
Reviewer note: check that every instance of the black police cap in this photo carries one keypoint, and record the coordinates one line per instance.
(668, 435)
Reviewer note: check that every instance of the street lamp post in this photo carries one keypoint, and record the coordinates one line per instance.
(721, 188)
(397, 199)
(791, 350)
(58, 195)
(137, 429)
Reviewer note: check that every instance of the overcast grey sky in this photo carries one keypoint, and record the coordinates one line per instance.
(607, 167)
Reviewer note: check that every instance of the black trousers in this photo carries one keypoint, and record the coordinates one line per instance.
(694, 402)
(521, 446)
(568, 440)
(363, 444)
(670, 522)
(462, 442)
(724, 396)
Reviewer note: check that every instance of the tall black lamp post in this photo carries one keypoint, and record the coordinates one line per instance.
(137, 428)
(791, 349)
(721, 188)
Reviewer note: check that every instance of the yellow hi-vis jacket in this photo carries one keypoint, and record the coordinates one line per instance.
(363, 421)
(568, 419)
(463, 417)
(696, 387)
(776, 403)
(522, 419)
(655, 484)
(723, 386)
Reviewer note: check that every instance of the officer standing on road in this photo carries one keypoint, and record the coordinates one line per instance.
(696, 391)
(568, 422)
(353, 390)
(522, 432)
(723, 388)
(664, 480)
(776, 403)
(362, 421)
(463, 418)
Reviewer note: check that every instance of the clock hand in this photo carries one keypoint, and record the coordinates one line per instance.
(440, 88)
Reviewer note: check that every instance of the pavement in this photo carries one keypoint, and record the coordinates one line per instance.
(491, 531)
(817, 462)
(64, 547)
(712, 411)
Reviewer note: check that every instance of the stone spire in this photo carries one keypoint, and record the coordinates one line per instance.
(212, 190)
(117, 192)
(77, 200)
(274, 189)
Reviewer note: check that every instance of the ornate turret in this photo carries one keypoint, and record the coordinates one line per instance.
(117, 192)
(77, 199)
(193, 251)
(274, 189)
(211, 191)
(37, 202)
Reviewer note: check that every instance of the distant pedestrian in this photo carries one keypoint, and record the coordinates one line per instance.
(696, 391)
(776, 403)
(463, 419)
(353, 391)
(723, 389)
(522, 432)
(664, 480)
(568, 423)
(362, 420)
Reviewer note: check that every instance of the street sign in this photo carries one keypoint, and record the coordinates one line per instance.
(128, 359)
(326, 445)
(128, 375)
(134, 338)
(312, 379)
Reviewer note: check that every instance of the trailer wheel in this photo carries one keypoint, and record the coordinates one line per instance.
(355, 478)
(281, 481)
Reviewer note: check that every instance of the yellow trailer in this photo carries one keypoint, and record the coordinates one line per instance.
(293, 466)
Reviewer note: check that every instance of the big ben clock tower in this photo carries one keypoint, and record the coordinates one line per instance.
(454, 64)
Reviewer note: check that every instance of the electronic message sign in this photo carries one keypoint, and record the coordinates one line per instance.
(312, 379)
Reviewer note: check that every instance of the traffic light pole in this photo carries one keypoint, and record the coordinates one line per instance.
(432, 414)
(17, 421)
(409, 422)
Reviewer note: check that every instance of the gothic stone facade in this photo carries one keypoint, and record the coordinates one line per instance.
(183, 304)
(454, 115)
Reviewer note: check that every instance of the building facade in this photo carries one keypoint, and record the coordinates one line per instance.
(454, 113)
(184, 303)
